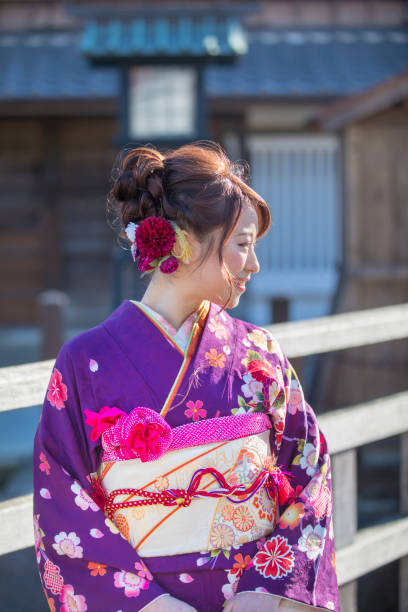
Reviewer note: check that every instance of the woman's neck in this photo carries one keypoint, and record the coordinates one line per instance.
(173, 305)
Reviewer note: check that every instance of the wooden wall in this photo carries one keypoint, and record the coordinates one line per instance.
(54, 177)
(375, 242)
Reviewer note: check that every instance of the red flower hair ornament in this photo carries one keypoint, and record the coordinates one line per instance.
(157, 241)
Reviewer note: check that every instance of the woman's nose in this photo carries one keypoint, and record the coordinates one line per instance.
(252, 262)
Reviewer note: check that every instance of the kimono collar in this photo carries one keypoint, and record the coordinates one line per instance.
(180, 335)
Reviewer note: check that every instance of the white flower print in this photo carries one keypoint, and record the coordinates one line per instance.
(82, 499)
(312, 541)
(67, 544)
(308, 460)
(274, 390)
(251, 387)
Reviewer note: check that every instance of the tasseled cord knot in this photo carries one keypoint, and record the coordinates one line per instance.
(278, 479)
(272, 479)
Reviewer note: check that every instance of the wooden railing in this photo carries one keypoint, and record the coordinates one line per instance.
(357, 551)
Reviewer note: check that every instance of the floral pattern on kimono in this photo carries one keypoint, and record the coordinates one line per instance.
(85, 561)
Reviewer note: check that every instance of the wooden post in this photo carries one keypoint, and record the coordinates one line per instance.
(50, 305)
(403, 564)
(344, 471)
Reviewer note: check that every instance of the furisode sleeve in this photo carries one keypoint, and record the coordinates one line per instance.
(297, 561)
(84, 563)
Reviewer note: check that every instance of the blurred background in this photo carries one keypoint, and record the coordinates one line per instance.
(313, 94)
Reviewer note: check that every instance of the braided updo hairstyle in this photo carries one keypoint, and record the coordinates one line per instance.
(195, 185)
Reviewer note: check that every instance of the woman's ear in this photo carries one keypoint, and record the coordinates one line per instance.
(196, 247)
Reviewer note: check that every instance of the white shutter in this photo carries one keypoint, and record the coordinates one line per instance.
(299, 177)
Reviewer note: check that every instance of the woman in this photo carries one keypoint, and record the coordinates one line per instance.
(177, 465)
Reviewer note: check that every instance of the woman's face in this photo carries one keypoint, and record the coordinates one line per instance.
(239, 259)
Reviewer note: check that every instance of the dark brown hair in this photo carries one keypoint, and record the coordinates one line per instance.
(195, 185)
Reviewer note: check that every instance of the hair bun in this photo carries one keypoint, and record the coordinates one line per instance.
(138, 187)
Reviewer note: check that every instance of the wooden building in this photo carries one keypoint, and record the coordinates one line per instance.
(58, 142)
(374, 130)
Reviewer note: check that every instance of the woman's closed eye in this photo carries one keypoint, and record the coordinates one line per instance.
(246, 244)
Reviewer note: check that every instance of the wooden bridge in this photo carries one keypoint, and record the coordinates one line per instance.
(358, 551)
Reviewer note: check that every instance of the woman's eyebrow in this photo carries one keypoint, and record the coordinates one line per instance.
(247, 233)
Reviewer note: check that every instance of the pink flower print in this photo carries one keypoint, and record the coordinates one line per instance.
(82, 499)
(44, 465)
(195, 410)
(57, 390)
(38, 536)
(143, 571)
(260, 542)
(218, 329)
(72, 602)
(52, 577)
(295, 398)
(318, 495)
(275, 559)
(132, 583)
(93, 365)
(229, 590)
(186, 578)
(68, 544)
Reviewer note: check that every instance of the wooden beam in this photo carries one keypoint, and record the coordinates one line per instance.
(25, 385)
(373, 547)
(348, 428)
(341, 331)
(14, 394)
(16, 516)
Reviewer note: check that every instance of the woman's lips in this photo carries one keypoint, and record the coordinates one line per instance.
(240, 286)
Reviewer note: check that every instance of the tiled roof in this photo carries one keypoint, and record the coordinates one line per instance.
(279, 62)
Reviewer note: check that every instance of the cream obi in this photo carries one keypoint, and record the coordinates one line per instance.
(207, 523)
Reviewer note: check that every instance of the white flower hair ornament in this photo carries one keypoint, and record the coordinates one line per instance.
(131, 234)
(157, 241)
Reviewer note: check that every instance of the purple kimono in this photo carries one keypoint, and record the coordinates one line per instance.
(124, 399)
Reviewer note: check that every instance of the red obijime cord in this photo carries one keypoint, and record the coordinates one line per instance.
(273, 480)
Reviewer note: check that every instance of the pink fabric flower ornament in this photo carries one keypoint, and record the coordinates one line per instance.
(143, 433)
(144, 262)
(169, 265)
(102, 420)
